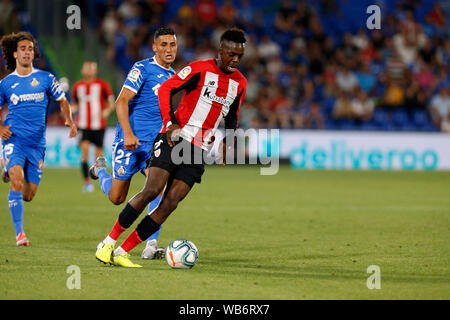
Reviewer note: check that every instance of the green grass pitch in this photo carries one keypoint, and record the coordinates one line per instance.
(295, 235)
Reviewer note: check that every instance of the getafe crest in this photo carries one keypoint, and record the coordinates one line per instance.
(34, 82)
(121, 171)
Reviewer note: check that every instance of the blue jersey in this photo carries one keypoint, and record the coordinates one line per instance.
(27, 100)
(144, 79)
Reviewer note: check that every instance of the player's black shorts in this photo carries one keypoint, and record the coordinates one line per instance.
(93, 136)
(184, 161)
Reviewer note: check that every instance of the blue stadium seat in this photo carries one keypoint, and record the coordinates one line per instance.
(420, 118)
(368, 126)
(328, 104)
(400, 118)
(347, 124)
(380, 117)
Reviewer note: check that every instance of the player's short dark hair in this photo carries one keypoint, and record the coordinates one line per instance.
(9, 46)
(234, 34)
(162, 32)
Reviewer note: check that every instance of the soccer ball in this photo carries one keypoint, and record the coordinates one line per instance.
(181, 254)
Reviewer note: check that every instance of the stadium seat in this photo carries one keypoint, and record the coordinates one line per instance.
(368, 126)
(420, 118)
(400, 118)
(347, 124)
(380, 117)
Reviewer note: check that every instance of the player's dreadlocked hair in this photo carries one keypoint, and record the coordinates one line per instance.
(234, 35)
(162, 32)
(9, 46)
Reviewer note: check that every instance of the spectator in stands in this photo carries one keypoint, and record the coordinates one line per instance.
(268, 48)
(439, 107)
(415, 97)
(362, 106)
(423, 75)
(346, 80)
(437, 16)
(394, 95)
(395, 67)
(314, 117)
(206, 10)
(227, 13)
(6, 11)
(443, 54)
(185, 12)
(342, 107)
(366, 80)
(445, 125)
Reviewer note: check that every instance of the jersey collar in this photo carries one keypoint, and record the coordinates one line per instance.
(156, 62)
(15, 73)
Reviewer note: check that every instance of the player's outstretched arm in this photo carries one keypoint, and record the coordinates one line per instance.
(67, 113)
(130, 141)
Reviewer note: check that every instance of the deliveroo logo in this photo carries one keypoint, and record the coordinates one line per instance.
(340, 156)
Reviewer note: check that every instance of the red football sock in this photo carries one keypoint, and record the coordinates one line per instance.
(132, 241)
(116, 230)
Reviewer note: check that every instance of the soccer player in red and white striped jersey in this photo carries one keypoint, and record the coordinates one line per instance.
(93, 100)
(213, 90)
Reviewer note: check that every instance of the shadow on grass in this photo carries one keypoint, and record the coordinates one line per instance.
(273, 269)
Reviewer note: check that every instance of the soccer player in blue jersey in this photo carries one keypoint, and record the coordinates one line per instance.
(140, 120)
(26, 91)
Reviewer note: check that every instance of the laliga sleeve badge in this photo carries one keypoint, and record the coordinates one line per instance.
(185, 72)
(134, 74)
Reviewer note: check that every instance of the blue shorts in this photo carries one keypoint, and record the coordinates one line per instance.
(125, 163)
(31, 159)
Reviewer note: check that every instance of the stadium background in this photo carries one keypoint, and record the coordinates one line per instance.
(300, 234)
(312, 66)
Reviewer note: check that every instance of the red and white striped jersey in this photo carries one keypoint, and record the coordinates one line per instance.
(91, 97)
(210, 95)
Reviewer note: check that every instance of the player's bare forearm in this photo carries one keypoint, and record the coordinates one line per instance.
(67, 113)
(109, 106)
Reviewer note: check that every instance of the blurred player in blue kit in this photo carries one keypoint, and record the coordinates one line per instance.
(140, 120)
(26, 92)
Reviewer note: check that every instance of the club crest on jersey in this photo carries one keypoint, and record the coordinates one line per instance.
(185, 72)
(121, 171)
(34, 82)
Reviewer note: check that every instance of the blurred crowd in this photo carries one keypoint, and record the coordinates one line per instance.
(303, 71)
(309, 64)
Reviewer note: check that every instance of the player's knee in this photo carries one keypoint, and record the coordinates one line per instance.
(116, 199)
(150, 193)
(28, 196)
(171, 203)
(16, 184)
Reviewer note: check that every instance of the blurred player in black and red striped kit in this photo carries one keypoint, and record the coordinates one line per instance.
(213, 90)
(93, 100)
